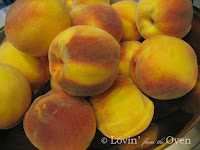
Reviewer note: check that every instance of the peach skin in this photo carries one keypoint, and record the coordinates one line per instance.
(75, 3)
(99, 15)
(54, 84)
(122, 111)
(171, 17)
(68, 4)
(35, 69)
(164, 67)
(58, 121)
(15, 94)
(84, 60)
(127, 11)
(38, 22)
(127, 50)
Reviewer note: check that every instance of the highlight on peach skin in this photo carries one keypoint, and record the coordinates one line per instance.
(14, 101)
(127, 11)
(38, 22)
(35, 69)
(171, 17)
(58, 120)
(127, 50)
(122, 111)
(164, 67)
(84, 60)
(99, 15)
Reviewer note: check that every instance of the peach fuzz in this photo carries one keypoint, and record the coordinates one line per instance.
(164, 67)
(84, 60)
(171, 17)
(57, 120)
(15, 94)
(127, 50)
(75, 3)
(35, 69)
(99, 15)
(38, 22)
(54, 84)
(122, 111)
(127, 11)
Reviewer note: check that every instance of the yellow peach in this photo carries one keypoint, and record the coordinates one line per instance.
(31, 25)
(99, 15)
(58, 121)
(122, 111)
(164, 67)
(15, 94)
(84, 60)
(35, 69)
(160, 17)
(127, 50)
(127, 11)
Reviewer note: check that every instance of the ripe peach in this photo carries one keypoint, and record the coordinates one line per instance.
(84, 60)
(35, 69)
(57, 120)
(127, 11)
(122, 111)
(54, 84)
(164, 67)
(171, 17)
(15, 94)
(38, 22)
(127, 50)
(99, 15)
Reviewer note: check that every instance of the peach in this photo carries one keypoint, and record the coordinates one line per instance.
(57, 120)
(164, 67)
(127, 50)
(171, 17)
(75, 3)
(15, 94)
(54, 84)
(84, 60)
(127, 11)
(38, 22)
(99, 15)
(35, 69)
(122, 111)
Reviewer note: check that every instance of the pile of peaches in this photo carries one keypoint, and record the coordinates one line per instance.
(105, 62)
